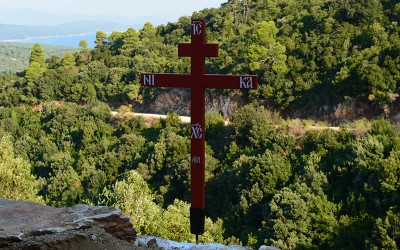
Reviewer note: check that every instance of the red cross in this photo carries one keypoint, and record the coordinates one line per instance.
(198, 81)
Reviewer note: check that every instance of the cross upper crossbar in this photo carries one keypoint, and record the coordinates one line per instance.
(198, 81)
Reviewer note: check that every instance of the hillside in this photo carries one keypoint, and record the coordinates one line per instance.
(305, 69)
(269, 179)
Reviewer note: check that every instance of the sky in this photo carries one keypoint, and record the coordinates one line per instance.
(169, 10)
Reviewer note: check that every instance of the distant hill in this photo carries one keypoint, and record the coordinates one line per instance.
(33, 17)
(11, 31)
(14, 56)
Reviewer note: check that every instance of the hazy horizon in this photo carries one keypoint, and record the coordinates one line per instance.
(48, 12)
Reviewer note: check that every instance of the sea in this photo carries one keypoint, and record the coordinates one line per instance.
(67, 40)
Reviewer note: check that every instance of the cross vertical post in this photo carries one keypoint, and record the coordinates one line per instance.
(197, 50)
(198, 81)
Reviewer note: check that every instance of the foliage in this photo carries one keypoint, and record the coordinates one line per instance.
(37, 55)
(301, 216)
(307, 54)
(15, 174)
(320, 189)
(133, 196)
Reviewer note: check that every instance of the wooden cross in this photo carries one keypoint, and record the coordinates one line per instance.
(198, 81)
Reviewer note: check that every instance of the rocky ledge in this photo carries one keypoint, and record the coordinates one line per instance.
(29, 225)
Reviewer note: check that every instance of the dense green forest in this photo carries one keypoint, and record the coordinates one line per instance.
(269, 181)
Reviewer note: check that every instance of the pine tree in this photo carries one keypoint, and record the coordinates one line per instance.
(37, 55)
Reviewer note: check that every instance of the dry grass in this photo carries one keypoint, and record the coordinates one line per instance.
(359, 127)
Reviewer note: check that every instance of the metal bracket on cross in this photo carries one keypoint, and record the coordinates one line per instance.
(198, 81)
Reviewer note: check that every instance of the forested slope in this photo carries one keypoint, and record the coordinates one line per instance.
(310, 55)
(268, 181)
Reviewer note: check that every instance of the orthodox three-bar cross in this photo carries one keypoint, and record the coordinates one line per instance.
(198, 81)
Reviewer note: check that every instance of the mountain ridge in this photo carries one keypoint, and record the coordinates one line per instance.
(13, 31)
(24, 16)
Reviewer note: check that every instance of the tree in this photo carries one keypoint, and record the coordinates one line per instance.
(254, 130)
(270, 171)
(130, 150)
(100, 39)
(115, 40)
(131, 92)
(378, 83)
(34, 72)
(376, 170)
(68, 72)
(291, 220)
(361, 12)
(256, 179)
(64, 186)
(381, 238)
(176, 216)
(216, 131)
(168, 168)
(130, 42)
(176, 219)
(301, 216)
(84, 51)
(265, 49)
(148, 32)
(133, 196)
(16, 179)
(68, 62)
(83, 44)
(37, 55)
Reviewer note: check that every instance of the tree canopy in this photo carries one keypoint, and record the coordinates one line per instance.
(270, 180)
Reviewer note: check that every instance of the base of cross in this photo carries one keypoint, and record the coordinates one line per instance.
(197, 218)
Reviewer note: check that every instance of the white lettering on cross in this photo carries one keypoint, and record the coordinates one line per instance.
(196, 159)
(148, 79)
(246, 82)
(197, 131)
(196, 27)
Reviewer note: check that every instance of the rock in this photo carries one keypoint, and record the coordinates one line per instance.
(175, 100)
(350, 109)
(154, 242)
(263, 247)
(227, 105)
(88, 239)
(20, 220)
(396, 118)
(178, 101)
